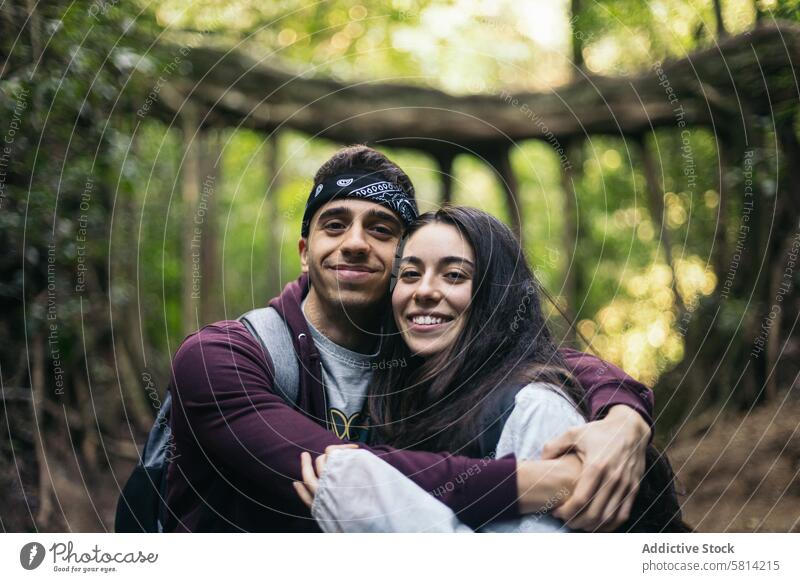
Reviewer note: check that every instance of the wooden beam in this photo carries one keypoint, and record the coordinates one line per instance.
(240, 91)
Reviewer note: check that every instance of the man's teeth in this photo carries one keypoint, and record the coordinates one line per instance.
(427, 320)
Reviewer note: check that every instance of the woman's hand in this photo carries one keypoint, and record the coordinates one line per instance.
(312, 472)
(612, 451)
(544, 485)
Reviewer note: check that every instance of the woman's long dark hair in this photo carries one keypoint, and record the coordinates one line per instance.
(436, 403)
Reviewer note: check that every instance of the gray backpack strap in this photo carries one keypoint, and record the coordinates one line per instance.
(271, 330)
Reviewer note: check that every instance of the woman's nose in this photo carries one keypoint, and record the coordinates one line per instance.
(427, 290)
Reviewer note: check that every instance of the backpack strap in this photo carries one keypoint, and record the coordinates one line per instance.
(495, 414)
(267, 325)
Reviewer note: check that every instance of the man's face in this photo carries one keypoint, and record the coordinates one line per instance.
(349, 252)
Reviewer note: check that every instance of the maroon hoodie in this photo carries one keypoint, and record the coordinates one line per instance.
(237, 444)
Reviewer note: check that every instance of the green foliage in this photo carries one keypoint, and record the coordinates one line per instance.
(81, 141)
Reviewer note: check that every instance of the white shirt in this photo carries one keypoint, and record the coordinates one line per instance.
(361, 493)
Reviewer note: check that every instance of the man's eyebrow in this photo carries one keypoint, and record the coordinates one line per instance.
(335, 211)
(383, 215)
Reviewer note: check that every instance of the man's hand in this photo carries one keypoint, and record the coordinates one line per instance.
(613, 455)
(312, 473)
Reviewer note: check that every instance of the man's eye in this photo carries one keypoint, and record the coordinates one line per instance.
(335, 225)
(383, 230)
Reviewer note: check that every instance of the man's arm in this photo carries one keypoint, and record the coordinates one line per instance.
(606, 386)
(223, 401)
(612, 447)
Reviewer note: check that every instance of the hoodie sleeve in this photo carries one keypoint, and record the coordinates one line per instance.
(225, 413)
(606, 385)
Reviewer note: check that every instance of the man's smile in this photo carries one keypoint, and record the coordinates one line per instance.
(346, 272)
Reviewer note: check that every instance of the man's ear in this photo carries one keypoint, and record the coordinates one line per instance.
(302, 247)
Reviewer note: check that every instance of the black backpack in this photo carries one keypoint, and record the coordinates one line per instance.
(141, 506)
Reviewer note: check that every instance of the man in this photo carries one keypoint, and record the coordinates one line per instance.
(238, 442)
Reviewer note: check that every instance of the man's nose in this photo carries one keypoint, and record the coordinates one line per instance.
(355, 241)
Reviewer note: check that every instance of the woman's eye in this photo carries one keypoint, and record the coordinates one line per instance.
(455, 276)
(408, 274)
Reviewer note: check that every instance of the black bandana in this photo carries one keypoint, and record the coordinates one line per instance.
(363, 185)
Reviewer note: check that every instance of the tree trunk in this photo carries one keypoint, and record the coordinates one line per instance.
(445, 162)
(571, 232)
(272, 216)
(577, 37)
(192, 234)
(655, 197)
(721, 32)
(211, 292)
(45, 512)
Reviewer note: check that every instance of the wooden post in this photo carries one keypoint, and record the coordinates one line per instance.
(577, 39)
(570, 233)
(501, 162)
(655, 197)
(445, 162)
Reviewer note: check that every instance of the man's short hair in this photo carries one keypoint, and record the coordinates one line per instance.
(362, 157)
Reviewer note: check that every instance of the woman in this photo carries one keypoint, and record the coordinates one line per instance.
(483, 378)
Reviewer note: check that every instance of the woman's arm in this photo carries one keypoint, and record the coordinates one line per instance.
(541, 411)
(357, 492)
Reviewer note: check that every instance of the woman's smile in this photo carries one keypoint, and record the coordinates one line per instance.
(428, 322)
(434, 288)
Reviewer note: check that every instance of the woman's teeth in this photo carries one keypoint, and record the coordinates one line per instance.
(427, 320)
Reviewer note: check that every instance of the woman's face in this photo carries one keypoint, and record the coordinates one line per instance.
(434, 288)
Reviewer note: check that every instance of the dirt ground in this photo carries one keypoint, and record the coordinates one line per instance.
(741, 472)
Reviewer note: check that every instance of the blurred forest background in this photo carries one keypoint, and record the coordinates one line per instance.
(156, 157)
